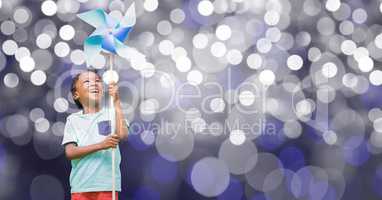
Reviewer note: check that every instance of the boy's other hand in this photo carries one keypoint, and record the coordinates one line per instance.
(113, 91)
(110, 141)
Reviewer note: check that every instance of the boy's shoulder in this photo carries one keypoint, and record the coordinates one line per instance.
(72, 116)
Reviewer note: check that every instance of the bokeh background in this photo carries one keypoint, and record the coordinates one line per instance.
(237, 99)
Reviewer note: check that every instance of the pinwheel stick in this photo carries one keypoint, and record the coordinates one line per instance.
(111, 59)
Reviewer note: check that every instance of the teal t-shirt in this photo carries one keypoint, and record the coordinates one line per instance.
(92, 172)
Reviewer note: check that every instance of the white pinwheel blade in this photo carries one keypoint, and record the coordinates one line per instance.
(98, 18)
(129, 19)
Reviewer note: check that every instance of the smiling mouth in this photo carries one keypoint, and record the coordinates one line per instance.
(94, 91)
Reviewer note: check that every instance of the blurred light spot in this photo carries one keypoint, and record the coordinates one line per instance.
(314, 54)
(267, 77)
(42, 125)
(304, 107)
(9, 47)
(365, 64)
(200, 41)
(16, 125)
(325, 26)
(210, 177)
(218, 49)
(375, 77)
(273, 34)
(246, 98)
(205, 8)
(27, 64)
(150, 5)
(21, 53)
(8, 27)
(234, 57)
(164, 27)
(110, 76)
(183, 64)
(166, 47)
(61, 105)
(332, 5)
(377, 124)
(348, 47)
(61, 49)
(223, 32)
(254, 61)
(263, 45)
(58, 128)
(77, 57)
(21, 15)
(217, 105)
(177, 16)
(240, 158)
(98, 61)
(326, 94)
(292, 129)
(43, 41)
(67, 32)
(329, 70)
(295, 62)
(330, 137)
(148, 70)
(194, 77)
(346, 27)
(36, 113)
(38, 77)
(271, 17)
(378, 41)
(49, 7)
(359, 16)
(237, 137)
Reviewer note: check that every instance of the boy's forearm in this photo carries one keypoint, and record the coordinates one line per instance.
(121, 128)
(78, 152)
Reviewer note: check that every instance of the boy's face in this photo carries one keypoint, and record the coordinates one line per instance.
(89, 89)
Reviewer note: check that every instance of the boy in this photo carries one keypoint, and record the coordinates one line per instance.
(88, 141)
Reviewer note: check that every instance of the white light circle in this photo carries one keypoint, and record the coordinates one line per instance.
(254, 61)
(218, 49)
(38, 77)
(61, 49)
(205, 8)
(150, 5)
(194, 77)
(294, 62)
(267, 77)
(234, 57)
(9, 47)
(329, 70)
(246, 98)
(49, 8)
(375, 77)
(61, 105)
(200, 41)
(237, 137)
(43, 41)
(223, 32)
(11, 80)
(27, 64)
(67, 32)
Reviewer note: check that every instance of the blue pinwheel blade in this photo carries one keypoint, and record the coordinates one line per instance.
(97, 18)
(122, 33)
(92, 47)
(108, 43)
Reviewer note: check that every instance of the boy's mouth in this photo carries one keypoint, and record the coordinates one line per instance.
(94, 91)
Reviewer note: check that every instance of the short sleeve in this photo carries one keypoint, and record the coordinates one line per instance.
(69, 133)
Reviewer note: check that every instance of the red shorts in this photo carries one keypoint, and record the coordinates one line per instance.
(93, 196)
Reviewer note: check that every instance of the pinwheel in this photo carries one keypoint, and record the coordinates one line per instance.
(109, 37)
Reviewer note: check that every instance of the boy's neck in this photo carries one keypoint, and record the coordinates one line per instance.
(91, 109)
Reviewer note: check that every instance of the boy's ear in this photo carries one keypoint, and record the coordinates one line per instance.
(76, 95)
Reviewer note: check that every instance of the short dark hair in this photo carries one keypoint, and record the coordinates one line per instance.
(73, 86)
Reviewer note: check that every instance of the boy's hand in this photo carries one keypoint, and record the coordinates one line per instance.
(114, 91)
(110, 141)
